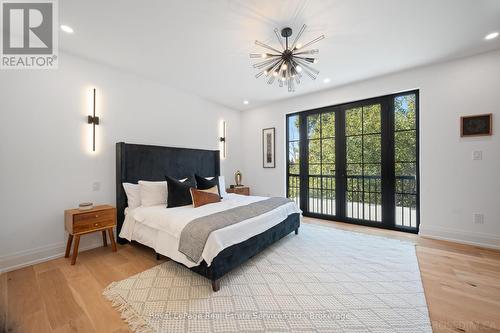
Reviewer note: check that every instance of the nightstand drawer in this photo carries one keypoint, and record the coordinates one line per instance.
(94, 216)
(243, 190)
(87, 225)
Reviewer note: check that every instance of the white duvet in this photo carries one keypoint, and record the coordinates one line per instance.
(160, 228)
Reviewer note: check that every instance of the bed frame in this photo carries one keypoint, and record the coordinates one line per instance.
(136, 162)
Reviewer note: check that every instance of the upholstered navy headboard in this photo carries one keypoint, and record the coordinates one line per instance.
(142, 162)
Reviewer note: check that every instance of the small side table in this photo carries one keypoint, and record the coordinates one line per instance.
(243, 190)
(80, 222)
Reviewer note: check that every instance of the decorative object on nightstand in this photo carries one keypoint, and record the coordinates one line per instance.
(242, 190)
(238, 177)
(78, 223)
(85, 206)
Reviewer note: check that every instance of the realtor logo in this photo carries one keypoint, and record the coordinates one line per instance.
(29, 34)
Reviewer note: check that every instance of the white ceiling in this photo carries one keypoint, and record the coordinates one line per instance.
(202, 46)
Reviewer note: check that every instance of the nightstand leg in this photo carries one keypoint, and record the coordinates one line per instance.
(112, 239)
(104, 239)
(68, 245)
(75, 249)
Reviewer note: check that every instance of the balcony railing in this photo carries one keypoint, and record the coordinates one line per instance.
(363, 197)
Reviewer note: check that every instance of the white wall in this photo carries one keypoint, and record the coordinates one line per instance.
(453, 186)
(46, 165)
(45, 159)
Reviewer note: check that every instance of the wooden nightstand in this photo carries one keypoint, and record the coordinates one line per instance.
(243, 190)
(80, 222)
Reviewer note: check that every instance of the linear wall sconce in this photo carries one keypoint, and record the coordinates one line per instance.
(94, 121)
(222, 139)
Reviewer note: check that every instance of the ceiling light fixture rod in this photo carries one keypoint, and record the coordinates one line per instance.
(304, 65)
(266, 46)
(263, 55)
(276, 66)
(272, 68)
(279, 39)
(264, 63)
(298, 36)
(317, 39)
(313, 51)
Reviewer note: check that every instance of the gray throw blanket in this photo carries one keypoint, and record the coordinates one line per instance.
(195, 233)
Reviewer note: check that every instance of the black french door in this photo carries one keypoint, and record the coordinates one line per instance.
(357, 162)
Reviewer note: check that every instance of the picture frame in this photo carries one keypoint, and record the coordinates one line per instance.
(269, 147)
(476, 125)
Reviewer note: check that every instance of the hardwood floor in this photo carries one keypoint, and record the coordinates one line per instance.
(462, 287)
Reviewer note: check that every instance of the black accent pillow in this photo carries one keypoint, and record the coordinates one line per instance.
(178, 192)
(204, 184)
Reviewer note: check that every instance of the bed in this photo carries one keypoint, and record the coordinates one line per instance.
(160, 228)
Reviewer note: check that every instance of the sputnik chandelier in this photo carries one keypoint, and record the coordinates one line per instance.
(287, 66)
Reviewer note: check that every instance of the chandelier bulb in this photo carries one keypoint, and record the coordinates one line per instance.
(298, 68)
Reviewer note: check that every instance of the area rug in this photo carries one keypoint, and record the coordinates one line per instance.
(322, 280)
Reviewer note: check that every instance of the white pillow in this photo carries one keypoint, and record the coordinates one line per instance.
(153, 193)
(222, 186)
(133, 193)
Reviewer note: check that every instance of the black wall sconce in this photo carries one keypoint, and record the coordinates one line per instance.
(94, 121)
(222, 138)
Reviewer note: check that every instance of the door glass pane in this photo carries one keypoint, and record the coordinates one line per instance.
(293, 127)
(363, 163)
(313, 127)
(405, 156)
(371, 119)
(293, 152)
(405, 112)
(328, 125)
(294, 169)
(314, 151)
(294, 188)
(371, 148)
(328, 151)
(353, 121)
(405, 145)
(353, 151)
(315, 169)
(328, 169)
(321, 160)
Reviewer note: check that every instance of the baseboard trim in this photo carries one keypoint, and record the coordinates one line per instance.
(461, 236)
(44, 253)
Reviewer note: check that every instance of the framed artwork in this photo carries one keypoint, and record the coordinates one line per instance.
(476, 125)
(268, 148)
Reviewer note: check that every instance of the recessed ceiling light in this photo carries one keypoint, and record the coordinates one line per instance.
(326, 80)
(67, 29)
(246, 102)
(491, 36)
